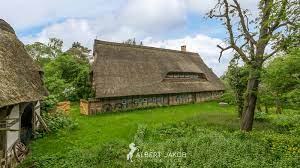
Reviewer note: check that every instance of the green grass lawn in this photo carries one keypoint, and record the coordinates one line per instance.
(207, 132)
(99, 129)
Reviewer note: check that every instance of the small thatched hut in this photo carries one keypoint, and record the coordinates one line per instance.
(130, 76)
(21, 88)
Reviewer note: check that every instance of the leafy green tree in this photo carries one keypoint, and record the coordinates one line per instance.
(132, 42)
(55, 47)
(43, 53)
(39, 52)
(79, 51)
(236, 76)
(266, 97)
(66, 73)
(249, 38)
(282, 79)
(68, 77)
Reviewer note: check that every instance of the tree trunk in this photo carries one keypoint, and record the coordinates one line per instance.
(250, 100)
(266, 108)
(240, 104)
(240, 111)
(258, 106)
(278, 106)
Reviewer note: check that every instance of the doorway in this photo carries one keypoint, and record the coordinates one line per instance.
(26, 124)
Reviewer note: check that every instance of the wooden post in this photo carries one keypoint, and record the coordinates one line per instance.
(42, 122)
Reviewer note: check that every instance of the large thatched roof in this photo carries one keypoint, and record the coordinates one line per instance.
(20, 76)
(124, 70)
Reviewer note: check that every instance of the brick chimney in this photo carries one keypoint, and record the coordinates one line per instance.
(183, 48)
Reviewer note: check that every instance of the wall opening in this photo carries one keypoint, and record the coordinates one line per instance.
(26, 124)
(185, 76)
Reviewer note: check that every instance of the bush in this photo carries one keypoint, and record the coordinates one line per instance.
(49, 103)
(228, 97)
(58, 120)
(286, 122)
(261, 116)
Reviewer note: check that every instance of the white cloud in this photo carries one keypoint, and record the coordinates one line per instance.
(153, 15)
(117, 21)
(137, 18)
(203, 6)
(202, 44)
(69, 31)
(23, 14)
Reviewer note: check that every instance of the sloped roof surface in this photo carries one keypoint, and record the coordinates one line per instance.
(124, 70)
(20, 76)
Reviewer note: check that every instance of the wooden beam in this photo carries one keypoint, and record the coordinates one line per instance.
(43, 123)
(8, 129)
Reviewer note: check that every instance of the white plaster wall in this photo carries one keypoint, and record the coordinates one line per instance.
(13, 136)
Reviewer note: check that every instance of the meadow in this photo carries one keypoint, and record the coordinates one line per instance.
(194, 135)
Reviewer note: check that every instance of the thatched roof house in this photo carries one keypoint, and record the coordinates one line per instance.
(123, 73)
(20, 76)
(21, 87)
(122, 70)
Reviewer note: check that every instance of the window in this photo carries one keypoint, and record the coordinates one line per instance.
(186, 75)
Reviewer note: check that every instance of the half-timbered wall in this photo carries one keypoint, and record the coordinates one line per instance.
(104, 105)
(13, 136)
(2, 134)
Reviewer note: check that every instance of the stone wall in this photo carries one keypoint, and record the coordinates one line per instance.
(98, 106)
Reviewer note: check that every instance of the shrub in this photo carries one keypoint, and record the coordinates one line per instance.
(49, 103)
(59, 120)
(261, 116)
(286, 122)
(228, 97)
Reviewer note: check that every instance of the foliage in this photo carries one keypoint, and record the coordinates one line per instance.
(57, 121)
(132, 42)
(281, 80)
(49, 103)
(250, 36)
(79, 51)
(39, 52)
(140, 134)
(68, 77)
(237, 76)
(229, 97)
(55, 47)
(67, 74)
(208, 133)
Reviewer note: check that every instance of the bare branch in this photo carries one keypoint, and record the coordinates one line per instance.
(231, 36)
(279, 16)
(271, 54)
(284, 24)
(264, 33)
(222, 50)
(243, 23)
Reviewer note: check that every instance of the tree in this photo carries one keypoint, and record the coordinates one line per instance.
(249, 38)
(37, 50)
(236, 77)
(67, 77)
(43, 53)
(79, 51)
(55, 47)
(281, 79)
(132, 42)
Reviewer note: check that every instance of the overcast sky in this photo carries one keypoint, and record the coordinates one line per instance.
(158, 23)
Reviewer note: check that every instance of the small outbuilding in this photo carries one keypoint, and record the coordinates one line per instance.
(21, 89)
(128, 76)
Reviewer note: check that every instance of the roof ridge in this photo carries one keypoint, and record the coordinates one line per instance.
(139, 46)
